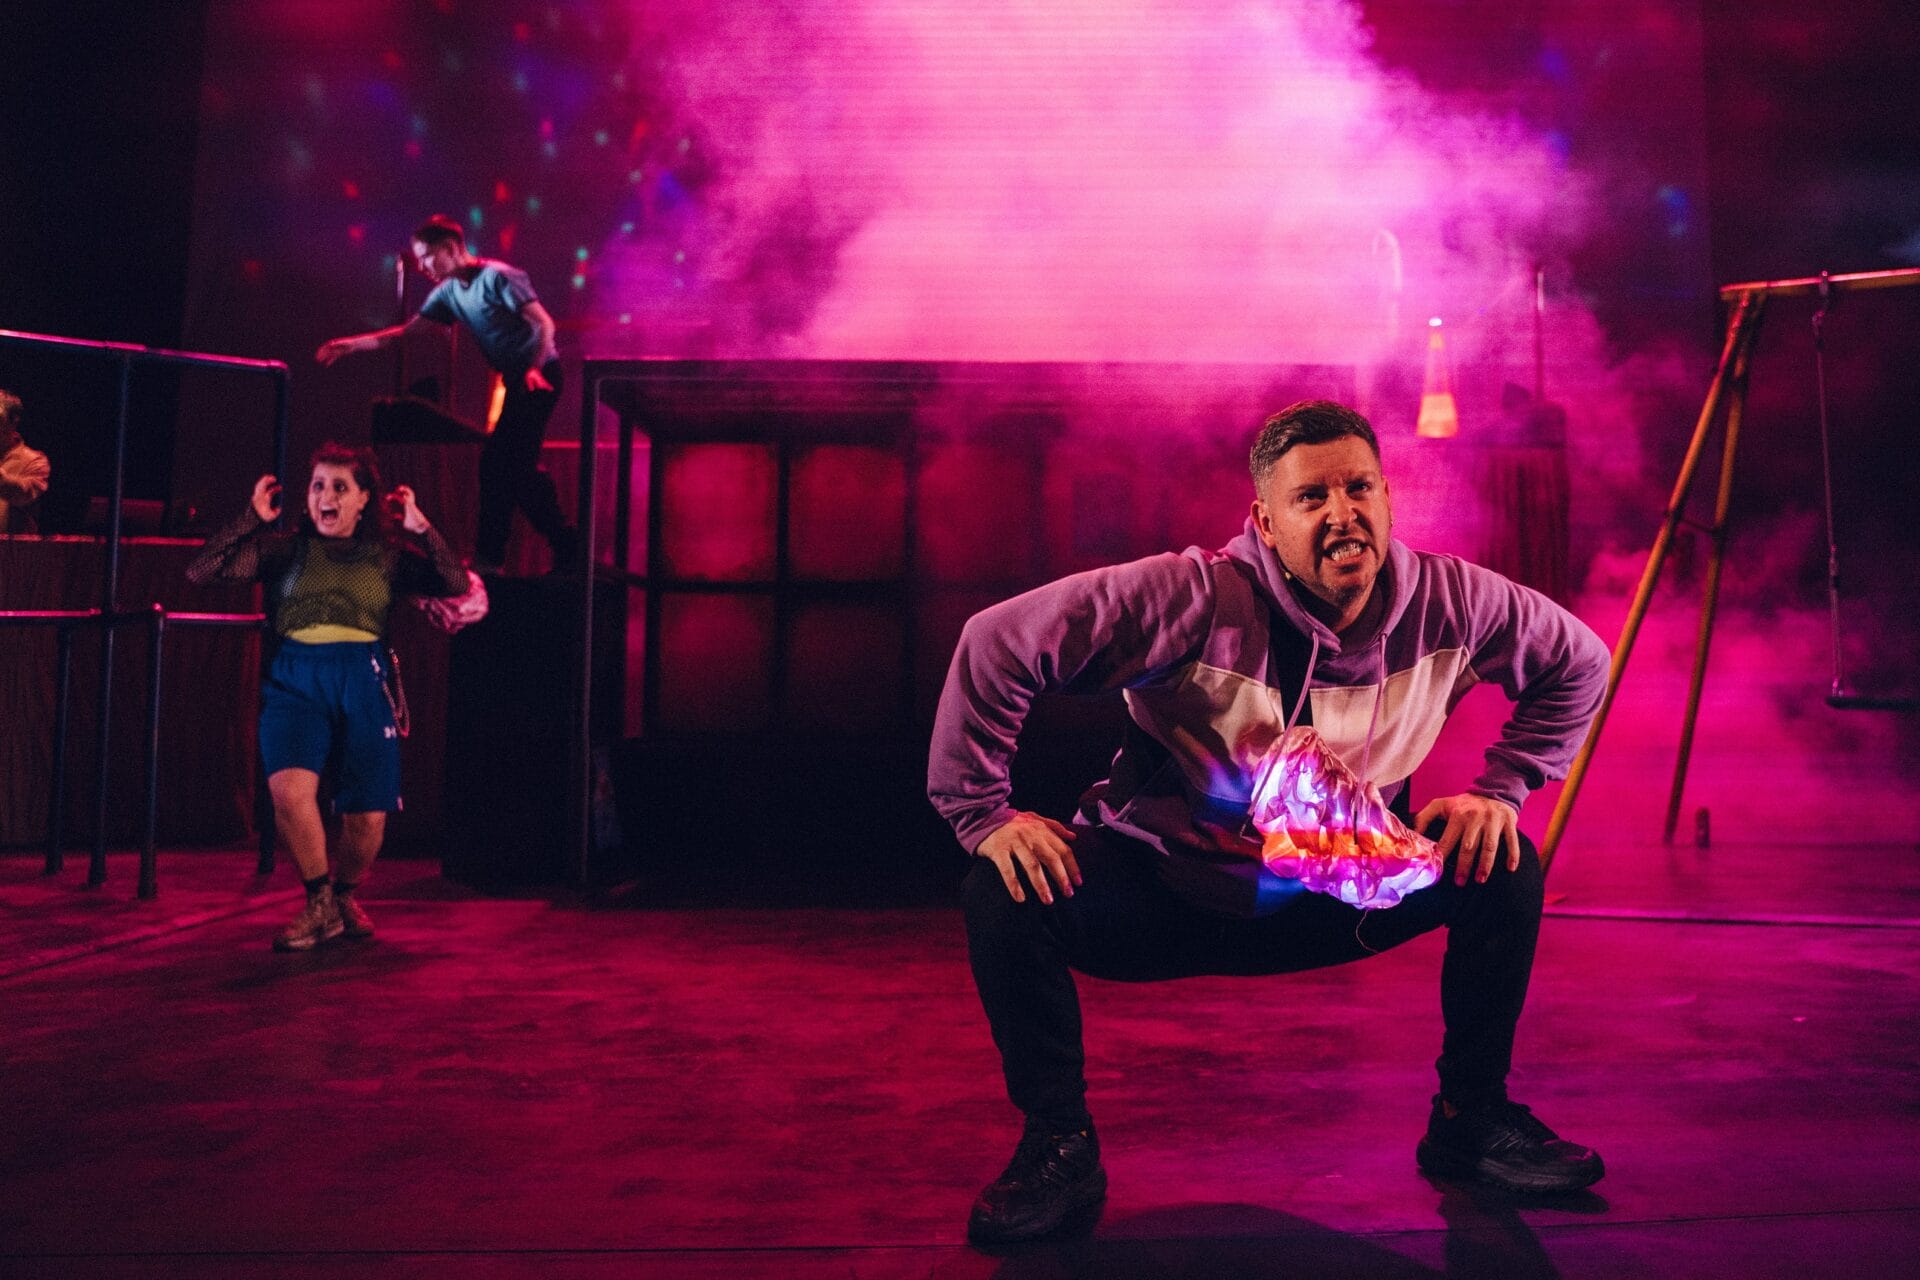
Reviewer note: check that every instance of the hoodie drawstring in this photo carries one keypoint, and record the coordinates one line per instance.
(1373, 720)
(1306, 686)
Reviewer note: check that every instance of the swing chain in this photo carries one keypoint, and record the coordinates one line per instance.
(1826, 476)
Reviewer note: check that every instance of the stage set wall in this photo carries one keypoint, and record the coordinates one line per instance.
(788, 555)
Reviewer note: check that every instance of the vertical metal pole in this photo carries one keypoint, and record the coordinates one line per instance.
(116, 493)
(583, 780)
(262, 801)
(623, 502)
(109, 605)
(280, 397)
(1839, 686)
(656, 576)
(784, 612)
(263, 820)
(1710, 595)
(400, 317)
(156, 645)
(62, 706)
(1742, 329)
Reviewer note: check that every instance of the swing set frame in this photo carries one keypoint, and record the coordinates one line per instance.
(1729, 388)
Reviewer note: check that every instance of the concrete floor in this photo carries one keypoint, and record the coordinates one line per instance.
(537, 1086)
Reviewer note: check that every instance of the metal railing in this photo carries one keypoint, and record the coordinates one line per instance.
(109, 617)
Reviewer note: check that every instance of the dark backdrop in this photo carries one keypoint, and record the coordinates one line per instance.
(99, 111)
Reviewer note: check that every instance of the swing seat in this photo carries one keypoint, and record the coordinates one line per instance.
(1868, 702)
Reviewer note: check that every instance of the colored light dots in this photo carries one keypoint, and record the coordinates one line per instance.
(579, 281)
(476, 217)
(1677, 206)
(600, 137)
(580, 254)
(533, 205)
(519, 82)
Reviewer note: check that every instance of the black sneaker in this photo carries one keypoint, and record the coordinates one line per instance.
(1050, 1176)
(1503, 1144)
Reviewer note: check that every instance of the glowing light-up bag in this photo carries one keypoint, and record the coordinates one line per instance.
(1323, 826)
(450, 613)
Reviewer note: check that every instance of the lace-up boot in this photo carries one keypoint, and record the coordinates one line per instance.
(354, 920)
(318, 922)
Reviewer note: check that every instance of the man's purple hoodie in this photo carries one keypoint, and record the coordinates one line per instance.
(1212, 649)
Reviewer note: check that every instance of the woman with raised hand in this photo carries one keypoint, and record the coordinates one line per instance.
(327, 699)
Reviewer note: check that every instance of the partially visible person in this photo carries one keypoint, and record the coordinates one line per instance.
(24, 472)
(326, 699)
(496, 303)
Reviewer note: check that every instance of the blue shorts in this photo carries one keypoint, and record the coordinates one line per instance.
(326, 704)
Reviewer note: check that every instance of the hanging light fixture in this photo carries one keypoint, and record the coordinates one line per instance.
(1439, 416)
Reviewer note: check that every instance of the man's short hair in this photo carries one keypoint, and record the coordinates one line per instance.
(1308, 422)
(439, 230)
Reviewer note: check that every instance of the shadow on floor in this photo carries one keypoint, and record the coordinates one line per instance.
(1485, 1236)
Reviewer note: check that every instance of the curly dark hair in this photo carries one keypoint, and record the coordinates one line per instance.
(1308, 422)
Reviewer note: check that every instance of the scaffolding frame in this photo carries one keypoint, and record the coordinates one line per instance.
(109, 617)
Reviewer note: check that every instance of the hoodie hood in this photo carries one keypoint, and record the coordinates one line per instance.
(1399, 571)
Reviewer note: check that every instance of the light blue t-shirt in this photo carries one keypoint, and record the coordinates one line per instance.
(489, 305)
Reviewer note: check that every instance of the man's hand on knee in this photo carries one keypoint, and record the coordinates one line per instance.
(1478, 828)
(1040, 846)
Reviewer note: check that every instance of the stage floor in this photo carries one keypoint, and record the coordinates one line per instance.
(541, 1086)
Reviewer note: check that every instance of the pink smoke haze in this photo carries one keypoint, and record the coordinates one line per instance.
(1112, 181)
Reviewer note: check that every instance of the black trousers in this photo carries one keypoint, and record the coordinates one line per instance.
(511, 475)
(1124, 923)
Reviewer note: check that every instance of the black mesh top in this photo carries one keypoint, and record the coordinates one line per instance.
(313, 581)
